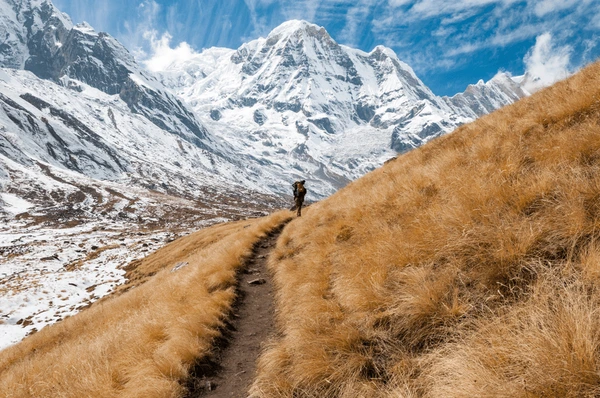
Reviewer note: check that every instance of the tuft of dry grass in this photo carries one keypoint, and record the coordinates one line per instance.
(467, 267)
(547, 346)
(143, 342)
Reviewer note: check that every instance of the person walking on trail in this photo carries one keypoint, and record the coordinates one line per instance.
(299, 192)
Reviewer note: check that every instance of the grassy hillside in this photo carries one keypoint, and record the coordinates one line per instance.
(469, 267)
(141, 342)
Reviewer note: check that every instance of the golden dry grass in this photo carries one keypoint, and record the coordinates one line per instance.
(143, 342)
(466, 268)
(140, 271)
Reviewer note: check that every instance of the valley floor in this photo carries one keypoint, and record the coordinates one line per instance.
(67, 240)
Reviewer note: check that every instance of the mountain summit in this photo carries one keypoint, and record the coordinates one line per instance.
(301, 105)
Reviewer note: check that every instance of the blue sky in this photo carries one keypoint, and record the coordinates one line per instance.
(449, 43)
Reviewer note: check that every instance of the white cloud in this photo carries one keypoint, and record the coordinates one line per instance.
(423, 9)
(306, 9)
(355, 19)
(545, 63)
(398, 3)
(544, 7)
(588, 47)
(163, 55)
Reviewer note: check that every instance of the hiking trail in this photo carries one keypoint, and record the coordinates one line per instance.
(231, 370)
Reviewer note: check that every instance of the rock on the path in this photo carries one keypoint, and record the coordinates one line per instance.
(259, 281)
(251, 271)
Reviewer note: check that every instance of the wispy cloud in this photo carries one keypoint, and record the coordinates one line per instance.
(354, 21)
(544, 7)
(465, 27)
(138, 30)
(546, 63)
(424, 9)
(97, 13)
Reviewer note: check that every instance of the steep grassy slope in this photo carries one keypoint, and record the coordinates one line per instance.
(140, 343)
(469, 267)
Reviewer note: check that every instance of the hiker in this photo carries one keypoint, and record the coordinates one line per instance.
(299, 192)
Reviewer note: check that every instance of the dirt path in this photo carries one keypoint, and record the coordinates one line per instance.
(232, 370)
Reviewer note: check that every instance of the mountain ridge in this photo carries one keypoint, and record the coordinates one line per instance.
(306, 98)
(293, 105)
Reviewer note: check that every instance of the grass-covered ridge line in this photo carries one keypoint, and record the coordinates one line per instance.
(466, 268)
(143, 342)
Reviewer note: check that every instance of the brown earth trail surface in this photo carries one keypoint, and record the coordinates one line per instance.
(231, 370)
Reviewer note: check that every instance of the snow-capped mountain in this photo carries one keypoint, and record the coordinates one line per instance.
(295, 104)
(44, 41)
(482, 98)
(298, 102)
(83, 104)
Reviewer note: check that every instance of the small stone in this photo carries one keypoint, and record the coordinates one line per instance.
(53, 257)
(210, 385)
(180, 265)
(259, 281)
(251, 271)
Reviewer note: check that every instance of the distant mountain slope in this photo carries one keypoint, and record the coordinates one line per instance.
(44, 41)
(293, 105)
(92, 133)
(86, 106)
(298, 101)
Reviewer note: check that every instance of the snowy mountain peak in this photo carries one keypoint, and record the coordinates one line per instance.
(313, 108)
(86, 28)
(383, 51)
(296, 27)
(485, 97)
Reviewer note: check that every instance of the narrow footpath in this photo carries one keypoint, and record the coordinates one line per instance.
(232, 369)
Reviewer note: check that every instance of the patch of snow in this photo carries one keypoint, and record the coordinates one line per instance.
(13, 204)
(138, 80)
